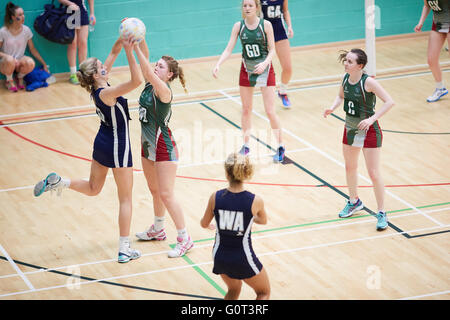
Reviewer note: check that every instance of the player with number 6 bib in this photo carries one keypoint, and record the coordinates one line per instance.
(361, 131)
(258, 48)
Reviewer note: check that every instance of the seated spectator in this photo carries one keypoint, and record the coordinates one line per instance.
(14, 38)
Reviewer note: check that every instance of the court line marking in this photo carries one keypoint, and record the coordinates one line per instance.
(307, 80)
(426, 295)
(330, 244)
(290, 133)
(334, 226)
(15, 267)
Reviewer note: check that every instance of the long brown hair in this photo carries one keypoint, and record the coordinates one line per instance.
(10, 11)
(176, 70)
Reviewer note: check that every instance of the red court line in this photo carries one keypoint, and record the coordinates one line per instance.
(222, 180)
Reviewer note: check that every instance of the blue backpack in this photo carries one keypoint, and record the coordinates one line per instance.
(52, 24)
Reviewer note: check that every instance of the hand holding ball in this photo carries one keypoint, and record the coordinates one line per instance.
(133, 27)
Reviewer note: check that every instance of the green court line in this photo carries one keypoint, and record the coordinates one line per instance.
(203, 274)
(223, 292)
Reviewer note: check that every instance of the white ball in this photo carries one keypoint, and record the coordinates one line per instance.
(134, 27)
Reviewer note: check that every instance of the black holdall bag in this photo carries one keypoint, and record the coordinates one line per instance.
(56, 24)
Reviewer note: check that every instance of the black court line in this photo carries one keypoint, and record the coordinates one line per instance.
(188, 295)
(429, 234)
(391, 225)
(402, 132)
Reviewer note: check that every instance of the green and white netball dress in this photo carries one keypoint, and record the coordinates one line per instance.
(254, 51)
(156, 138)
(359, 105)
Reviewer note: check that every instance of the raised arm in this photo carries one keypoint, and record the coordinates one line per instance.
(117, 47)
(229, 49)
(162, 91)
(109, 94)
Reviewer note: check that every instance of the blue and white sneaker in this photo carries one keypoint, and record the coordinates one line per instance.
(51, 182)
(437, 94)
(127, 255)
(382, 222)
(350, 209)
(279, 156)
(244, 150)
(284, 98)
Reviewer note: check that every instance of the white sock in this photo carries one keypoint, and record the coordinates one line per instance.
(9, 78)
(283, 88)
(182, 233)
(73, 70)
(21, 75)
(124, 243)
(65, 182)
(440, 85)
(353, 201)
(159, 223)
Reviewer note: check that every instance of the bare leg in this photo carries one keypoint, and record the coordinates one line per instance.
(152, 181)
(247, 106)
(268, 94)
(260, 283)
(234, 287)
(283, 50)
(372, 157)
(166, 172)
(351, 155)
(435, 43)
(124, 182)
(95, 183)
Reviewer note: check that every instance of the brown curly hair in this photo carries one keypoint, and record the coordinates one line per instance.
(176, 69)
(86, 73)
(238, 168)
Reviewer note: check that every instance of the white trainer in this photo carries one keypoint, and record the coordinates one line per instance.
(51, 182)
(437, 94)
(152, 234)
(181, 247)
(127, 255)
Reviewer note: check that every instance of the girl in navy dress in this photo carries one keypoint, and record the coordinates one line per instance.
(235, 210)
(112, 143)
(79, 43)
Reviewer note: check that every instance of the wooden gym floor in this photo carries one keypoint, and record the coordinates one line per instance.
(66, 247)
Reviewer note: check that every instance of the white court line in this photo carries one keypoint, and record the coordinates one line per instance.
(69, 285)
(132, 101)
(426, 295)
(14, 265)
(331, 158)
(254, 237)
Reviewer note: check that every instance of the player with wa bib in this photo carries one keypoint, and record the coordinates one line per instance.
(361, 131)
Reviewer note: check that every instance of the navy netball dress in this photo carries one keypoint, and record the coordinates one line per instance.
(84, 17)
(273, 12)
(112, 143)
(233, 252)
